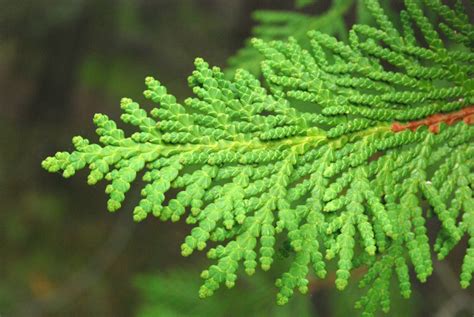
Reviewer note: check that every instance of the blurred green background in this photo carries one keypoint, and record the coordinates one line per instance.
(61, 253)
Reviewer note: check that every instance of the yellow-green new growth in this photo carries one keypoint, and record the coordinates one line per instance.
(390, 125)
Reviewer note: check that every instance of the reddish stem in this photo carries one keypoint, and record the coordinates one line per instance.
(433, 121)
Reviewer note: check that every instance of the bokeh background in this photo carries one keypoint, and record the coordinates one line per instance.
(61, 252)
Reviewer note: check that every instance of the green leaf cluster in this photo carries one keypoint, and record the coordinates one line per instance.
(337, 183)
(279, 25)
(173, 293)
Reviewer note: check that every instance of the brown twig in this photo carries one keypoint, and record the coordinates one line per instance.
(433, 121)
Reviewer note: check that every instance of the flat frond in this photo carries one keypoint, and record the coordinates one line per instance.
(391, 128)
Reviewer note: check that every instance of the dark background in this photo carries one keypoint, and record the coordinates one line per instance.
(61, 252)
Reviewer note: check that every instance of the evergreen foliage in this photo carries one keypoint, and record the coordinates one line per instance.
(279, 25)
(173, 293)
(390, 129)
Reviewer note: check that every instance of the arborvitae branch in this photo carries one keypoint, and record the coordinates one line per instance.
(278, 25)
(391, 126)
